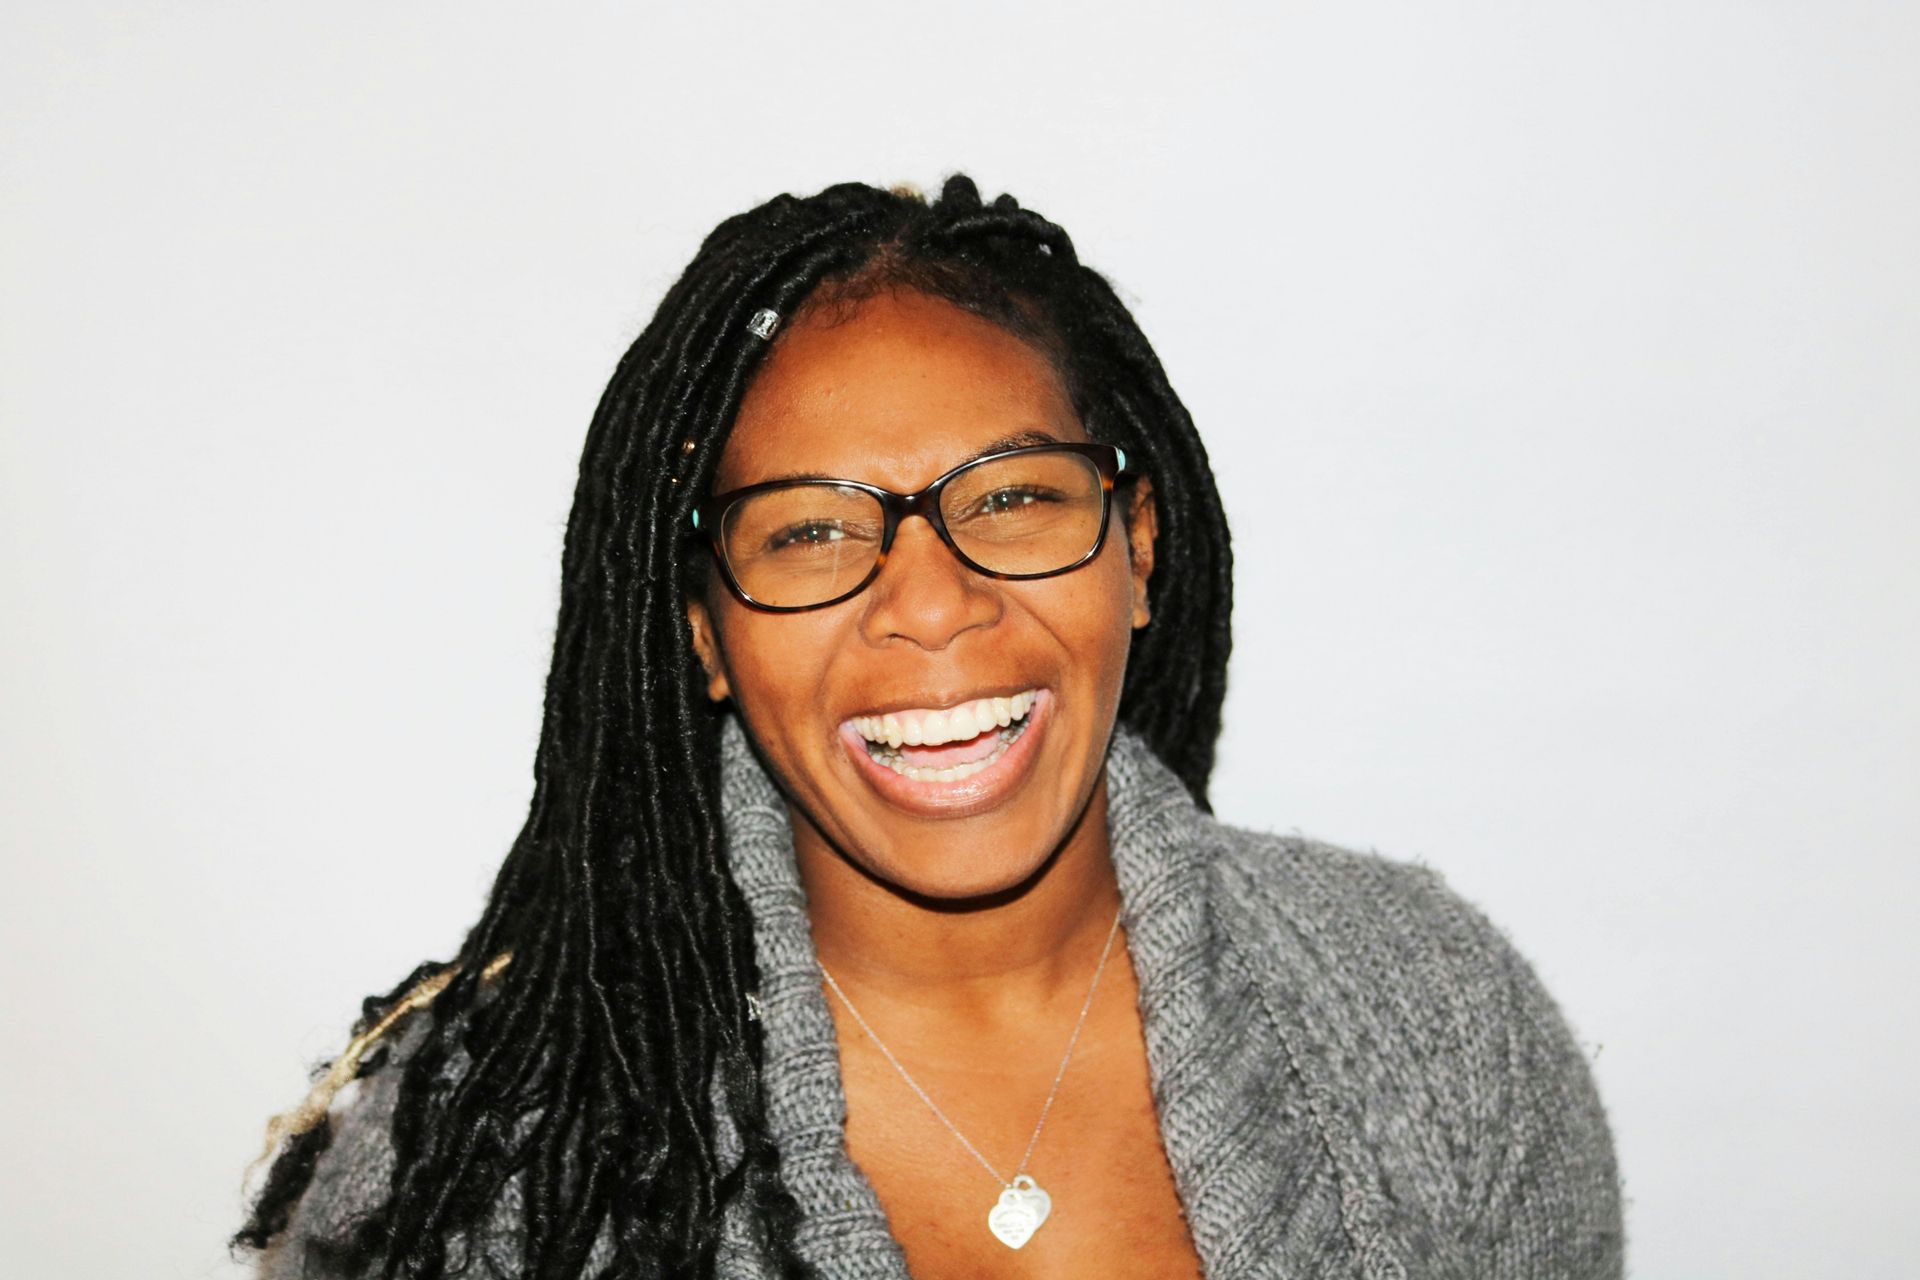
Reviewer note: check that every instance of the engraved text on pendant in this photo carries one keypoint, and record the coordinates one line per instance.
(1022, 1209)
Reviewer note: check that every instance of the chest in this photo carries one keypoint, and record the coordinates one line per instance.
(1115, 1210)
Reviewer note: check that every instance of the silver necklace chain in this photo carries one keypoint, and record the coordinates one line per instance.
(1052, 1093)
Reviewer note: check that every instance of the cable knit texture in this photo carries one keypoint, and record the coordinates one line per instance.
(1356, 1074)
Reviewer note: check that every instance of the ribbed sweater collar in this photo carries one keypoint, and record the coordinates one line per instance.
(1155, 831)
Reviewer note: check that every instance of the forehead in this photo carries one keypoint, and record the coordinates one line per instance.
(893, 391)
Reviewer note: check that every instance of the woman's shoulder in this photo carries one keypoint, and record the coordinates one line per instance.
(1411, 1012)
(1355, 930)
(1338, 909)
(1380, 964)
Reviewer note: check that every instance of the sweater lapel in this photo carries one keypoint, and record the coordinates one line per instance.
(843, 1229)
(1252, 1163)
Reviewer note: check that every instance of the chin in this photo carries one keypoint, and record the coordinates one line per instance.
(959, 879)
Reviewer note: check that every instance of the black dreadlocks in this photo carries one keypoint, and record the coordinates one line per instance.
(586, 1067)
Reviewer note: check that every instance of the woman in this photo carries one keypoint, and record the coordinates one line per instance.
(869, 919)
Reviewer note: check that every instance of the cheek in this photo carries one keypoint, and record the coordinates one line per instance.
(773, 660)
(1089, 612)
(1107, 583)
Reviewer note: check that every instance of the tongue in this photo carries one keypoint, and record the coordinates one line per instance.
(948, 754)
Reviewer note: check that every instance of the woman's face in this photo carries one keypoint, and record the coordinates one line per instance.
(895, 392)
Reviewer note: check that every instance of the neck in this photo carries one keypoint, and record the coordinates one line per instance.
(1001, 958)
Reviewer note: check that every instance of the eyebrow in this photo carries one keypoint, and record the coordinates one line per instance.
(1018, 440)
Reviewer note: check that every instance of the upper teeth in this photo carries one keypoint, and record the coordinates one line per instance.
(919, 728)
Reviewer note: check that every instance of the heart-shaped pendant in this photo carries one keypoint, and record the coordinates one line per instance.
(1023, 1207)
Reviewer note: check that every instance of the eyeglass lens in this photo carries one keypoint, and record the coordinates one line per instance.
(1031, 512)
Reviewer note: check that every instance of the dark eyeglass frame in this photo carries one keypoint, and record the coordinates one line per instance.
(710, 516)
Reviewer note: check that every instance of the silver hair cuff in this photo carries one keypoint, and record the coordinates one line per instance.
(764, 322)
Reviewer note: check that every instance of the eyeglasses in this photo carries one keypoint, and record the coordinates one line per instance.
(1031, 512)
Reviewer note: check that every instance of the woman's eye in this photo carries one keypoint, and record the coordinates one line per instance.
(1003, 501)
(813, 533)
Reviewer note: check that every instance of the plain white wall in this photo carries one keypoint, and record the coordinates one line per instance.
(1558, 362)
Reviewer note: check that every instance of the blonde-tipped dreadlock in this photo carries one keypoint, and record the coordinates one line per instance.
(314, 1107)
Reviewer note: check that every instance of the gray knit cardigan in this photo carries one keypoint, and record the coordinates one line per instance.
(1356, 1074)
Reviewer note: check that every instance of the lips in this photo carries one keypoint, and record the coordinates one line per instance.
(957, 769)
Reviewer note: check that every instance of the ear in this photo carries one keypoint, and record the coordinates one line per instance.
(707, 649)
(1143, 527)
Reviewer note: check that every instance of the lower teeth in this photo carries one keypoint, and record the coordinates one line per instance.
(894, 759)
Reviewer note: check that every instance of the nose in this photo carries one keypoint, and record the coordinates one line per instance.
(923, 593)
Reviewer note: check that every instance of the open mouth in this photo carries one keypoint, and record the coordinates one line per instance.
(948, 745)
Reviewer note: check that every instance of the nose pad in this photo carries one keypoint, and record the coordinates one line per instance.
(924, 592)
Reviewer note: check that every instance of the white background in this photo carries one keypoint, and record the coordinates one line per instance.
(1558, 363)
